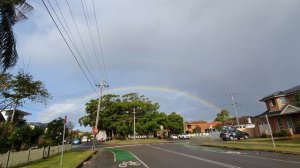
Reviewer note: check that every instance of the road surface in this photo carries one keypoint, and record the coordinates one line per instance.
(184, 154)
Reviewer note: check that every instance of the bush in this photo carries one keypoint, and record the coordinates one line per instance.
(43, 142)
(281, 133)
(264, 135)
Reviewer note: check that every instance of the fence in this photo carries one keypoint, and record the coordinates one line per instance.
(12, 159)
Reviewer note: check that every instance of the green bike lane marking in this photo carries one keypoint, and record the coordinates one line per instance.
(121, 155)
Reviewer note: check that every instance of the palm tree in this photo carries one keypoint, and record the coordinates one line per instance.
(11, 12)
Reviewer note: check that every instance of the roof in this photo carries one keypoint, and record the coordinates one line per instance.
(282, 93)
(289, 109)
(17, 111)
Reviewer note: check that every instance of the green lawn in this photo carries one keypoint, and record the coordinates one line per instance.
(282, 145)
(70, 160)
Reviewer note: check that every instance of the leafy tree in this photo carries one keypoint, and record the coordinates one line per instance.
(197, 129)
(6, 130)
(116, 115)
(223, 116)
(54, 131)
(175, 123)
(11, 12)
(17, 89)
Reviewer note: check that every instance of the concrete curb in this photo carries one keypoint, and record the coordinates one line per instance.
(86, 159)
(263, 150)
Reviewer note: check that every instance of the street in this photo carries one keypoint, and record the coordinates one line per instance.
(184, 154)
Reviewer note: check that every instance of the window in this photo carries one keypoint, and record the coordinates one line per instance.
(273, 102)
(279, 123)
(289, 122)
(282, 100)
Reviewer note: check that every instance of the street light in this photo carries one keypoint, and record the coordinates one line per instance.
(134, 112)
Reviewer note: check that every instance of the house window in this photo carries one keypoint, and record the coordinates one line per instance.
(289, 122)
(282, 100)
(273, 102)
(279, 123)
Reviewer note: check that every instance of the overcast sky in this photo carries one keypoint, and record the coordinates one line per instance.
(186, 55)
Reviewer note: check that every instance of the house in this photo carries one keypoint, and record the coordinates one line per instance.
(283, 111)
(201, 126)
(19, 115)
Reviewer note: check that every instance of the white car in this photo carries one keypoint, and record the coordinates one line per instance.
(184, 136)
(174, 136)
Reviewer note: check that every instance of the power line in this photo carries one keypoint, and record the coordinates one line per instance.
(68, 46)
(99, 40)
(90, 34)
(80, 37)
(70, 37)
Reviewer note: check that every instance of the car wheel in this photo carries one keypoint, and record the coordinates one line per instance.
(246, 136)
(239, 138)
(231, 138)
(224, 139)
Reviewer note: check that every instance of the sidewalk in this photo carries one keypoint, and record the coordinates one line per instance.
(100, 160)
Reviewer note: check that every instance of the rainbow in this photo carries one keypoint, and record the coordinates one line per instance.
(170, 90)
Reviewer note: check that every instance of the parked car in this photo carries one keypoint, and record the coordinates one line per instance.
(173, 136)
(231, 134)
(76, 141)
(184, 136)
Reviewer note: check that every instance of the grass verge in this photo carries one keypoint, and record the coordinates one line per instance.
(263, 144)
(70, 160)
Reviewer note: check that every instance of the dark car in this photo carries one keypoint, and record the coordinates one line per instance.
(76, 141)
(232, 134)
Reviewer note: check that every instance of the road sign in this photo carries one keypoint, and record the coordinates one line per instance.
(95, 131)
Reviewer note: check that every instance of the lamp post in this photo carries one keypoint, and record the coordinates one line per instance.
(134, 123)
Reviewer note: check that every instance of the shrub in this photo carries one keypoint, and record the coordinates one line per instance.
(281, 133)
(264, 135)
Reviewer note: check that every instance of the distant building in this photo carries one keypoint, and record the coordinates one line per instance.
(201, 126)
(38, 125)
(19, 115)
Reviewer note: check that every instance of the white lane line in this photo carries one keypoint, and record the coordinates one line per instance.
(140, 160)
(250, 156)
(120, 146)
(197, 158)
(278, 160)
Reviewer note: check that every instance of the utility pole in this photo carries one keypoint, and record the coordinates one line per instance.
(234, 106)
(134, 123)
(102, 86)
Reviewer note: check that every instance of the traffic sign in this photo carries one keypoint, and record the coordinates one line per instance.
(95, 131)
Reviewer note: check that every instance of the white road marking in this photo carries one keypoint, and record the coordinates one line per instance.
(250, 156)
(197, 158)
(120, 146)
(279, 160)
(234, 152)
(140, 160)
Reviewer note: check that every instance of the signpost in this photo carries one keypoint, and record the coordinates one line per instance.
(63, 141)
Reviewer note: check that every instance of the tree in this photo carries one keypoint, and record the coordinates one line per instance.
(175, 123)
(55, 130)
(21, 87)
(11, 12)
(223, 116)
(116, 115)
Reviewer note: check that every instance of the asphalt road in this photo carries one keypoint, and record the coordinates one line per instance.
(184, 154)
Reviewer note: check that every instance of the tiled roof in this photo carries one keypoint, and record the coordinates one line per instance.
(282, 93)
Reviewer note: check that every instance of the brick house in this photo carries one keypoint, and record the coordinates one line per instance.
(283, 111)
(201, 126)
